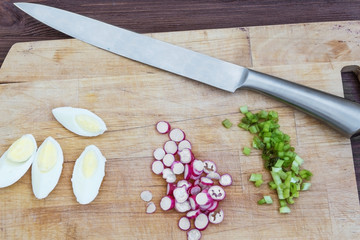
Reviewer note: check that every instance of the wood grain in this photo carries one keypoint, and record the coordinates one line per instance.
(131, 98)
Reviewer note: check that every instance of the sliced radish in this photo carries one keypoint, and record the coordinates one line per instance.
(209, 166)
(206, 181)
(193, 204)
(186, 156)
(167, 172)
(216, 193)
(201, 222)
(170, 188)
(180, 194)
(213, 206)
(205, 208)
(182, 207)
(195, 176)
(150, 207)
(168, 159)
(195, 190)
(171, 178)
(187, 172)
(194, 234)
(197, 167)
(193, 213)
(163, 127)
(177, 135)
(146, 195)
(197, 181)
(157, 167)
(216, 217)
(184, 144)
(185, 183)
(170, 147)
(203, 198)
(225, 180)
(184, 224)
(167, 203)
(213, 175)
(177, 167)
(159, 153)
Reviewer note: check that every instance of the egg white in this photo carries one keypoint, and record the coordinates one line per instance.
(67, 117)
(86, 189)
(44, 182)
(11, 172)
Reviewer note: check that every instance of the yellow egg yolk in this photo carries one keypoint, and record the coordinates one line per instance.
(47, 157)
(89, 164)
(88, 123)
(21, 150)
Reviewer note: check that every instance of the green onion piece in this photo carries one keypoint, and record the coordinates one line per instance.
(258, 183)
(305, 174)
(226, 123)
(261, 201)
(253, 129)
(268, 199)
(284, 210)
(246, 151)
(272, 185)
(244, 109)
(305, 186)
(283, 203)
(244, 126)
(255, 177)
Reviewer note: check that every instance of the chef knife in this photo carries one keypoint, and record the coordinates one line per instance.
(341, 114)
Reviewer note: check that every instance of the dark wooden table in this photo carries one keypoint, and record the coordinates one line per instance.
(145, 16)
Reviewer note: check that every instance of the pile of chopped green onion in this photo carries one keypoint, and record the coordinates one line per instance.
(278, 155)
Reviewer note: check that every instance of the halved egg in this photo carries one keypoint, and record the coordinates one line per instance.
(15, 162)
(46, 168)
(89, 171)
(80, 121)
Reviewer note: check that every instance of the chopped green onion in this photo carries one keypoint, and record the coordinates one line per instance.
(272, 185)
(261, 201)
(257, 178)
(246, 151)
(268, 199)
(305, 186)
(226, 123)
(244, 109)
(305, 174)
(285, 209)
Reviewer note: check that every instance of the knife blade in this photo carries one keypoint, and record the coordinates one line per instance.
(341, 114)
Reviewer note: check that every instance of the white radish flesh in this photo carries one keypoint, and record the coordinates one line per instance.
(193, 213)
(209, 166)
(213, 206)
(177, 167)
(146, 196)
(167, 203)
(181, 194)
(177, 135)
(193, 204)
(159, 153)
(186, 156)
(206, 207)
(185, 183)
(170, 147)
(171, 178)
(167, 172)
(168, 159)
(184, 224)
(187, 172)
(182, 207)
(150, 207)
(203, 198)
(157, 167)
(198, 167)
(225, 180)
(206, 181)
(216, 217)
(163, 127)
(217, 193)
(194, 234)
(194, 190)
(213, 175)
(170, 188)
(184, 144)
(201, 221)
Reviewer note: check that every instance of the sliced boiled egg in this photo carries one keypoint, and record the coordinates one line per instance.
(46, 168)
(89, 171)
(15, 162)
(80, 121)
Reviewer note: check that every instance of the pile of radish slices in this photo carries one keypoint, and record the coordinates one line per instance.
(191, 183)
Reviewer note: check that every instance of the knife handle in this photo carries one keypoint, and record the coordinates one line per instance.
(340, 113)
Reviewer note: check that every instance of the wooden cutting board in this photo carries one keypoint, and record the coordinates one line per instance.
(130, 97)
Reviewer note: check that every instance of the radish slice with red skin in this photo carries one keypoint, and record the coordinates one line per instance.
(209, 166)
(203, 198)
(197, 181)
(185, 183)
(177, 135)
(170, 188)
(225, 180)
(194, 234)
(216, 217)
(213, 206)
(186, 156)
(201, 221)
(184, 144)
(150, 207)
(197, 167)
(193, 213)
(213, 175)
(182, 207)
(205, 208)
(194, 190)
(177, 167)
(195, 177)
(187, 172)
(180, 194)
(170, 147)
(206, 181)
(217, 193)
(167, 203)
(157, 167)
(168, 159)
(167, 172)
(171, 178)
(146, 195)
(193, 204)
(163, 127)
(159, 153)
(184, 224)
